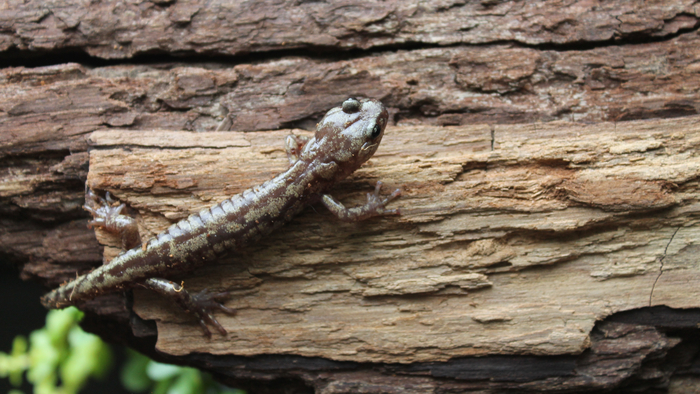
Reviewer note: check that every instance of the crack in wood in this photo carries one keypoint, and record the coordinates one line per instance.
(661, 262)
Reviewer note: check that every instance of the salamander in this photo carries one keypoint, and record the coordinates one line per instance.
(345, 138)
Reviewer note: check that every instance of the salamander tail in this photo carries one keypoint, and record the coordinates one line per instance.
(58, 298)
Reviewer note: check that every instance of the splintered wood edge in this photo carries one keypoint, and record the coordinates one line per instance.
(514, 239)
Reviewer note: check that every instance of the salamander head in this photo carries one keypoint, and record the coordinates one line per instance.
(349, 135)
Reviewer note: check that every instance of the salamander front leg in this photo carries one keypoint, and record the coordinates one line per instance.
(200, 305)
(375, 206)
(293, 144)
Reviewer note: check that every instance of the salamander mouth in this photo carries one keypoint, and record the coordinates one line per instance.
(367, 146)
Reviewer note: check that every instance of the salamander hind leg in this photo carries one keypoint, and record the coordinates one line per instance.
(375, 206)
(200, 305)
(107, 214)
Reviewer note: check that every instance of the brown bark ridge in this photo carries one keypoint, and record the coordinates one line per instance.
(125, 29)
(547, 153)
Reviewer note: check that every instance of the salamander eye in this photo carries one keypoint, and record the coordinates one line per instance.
(351, 105)
(376, 130)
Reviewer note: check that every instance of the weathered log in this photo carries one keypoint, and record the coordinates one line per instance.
(514, 240)
(52, 108)
(610, 211)
(609, 208)
(114, 30)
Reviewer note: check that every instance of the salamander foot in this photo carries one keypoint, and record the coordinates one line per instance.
(375, 206)
(201, 305)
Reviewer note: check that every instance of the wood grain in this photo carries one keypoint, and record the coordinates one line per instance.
(117, 30)
(511, 216)
(515, 250)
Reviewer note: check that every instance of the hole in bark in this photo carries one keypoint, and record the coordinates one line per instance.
(660, 316)
(669, 110)
(501, 264)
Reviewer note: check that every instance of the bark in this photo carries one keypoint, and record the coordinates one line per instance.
(515, 249)
(547, 154)
(122, 30)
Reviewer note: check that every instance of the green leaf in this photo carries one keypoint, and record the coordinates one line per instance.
(43, 360)
(59, 322)
(189, 382)
(88, 357)
(158, 371)
(162, 386)
(14, 364)
(133, 374)
(62, 348)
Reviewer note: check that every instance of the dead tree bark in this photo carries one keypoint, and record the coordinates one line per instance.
(547, 153)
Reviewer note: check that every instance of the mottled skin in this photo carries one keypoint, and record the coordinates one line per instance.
(345, 138)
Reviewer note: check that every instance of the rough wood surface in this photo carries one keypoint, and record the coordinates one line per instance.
(518, 249)
(125, 29)
(52, 108)
(572, 221)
